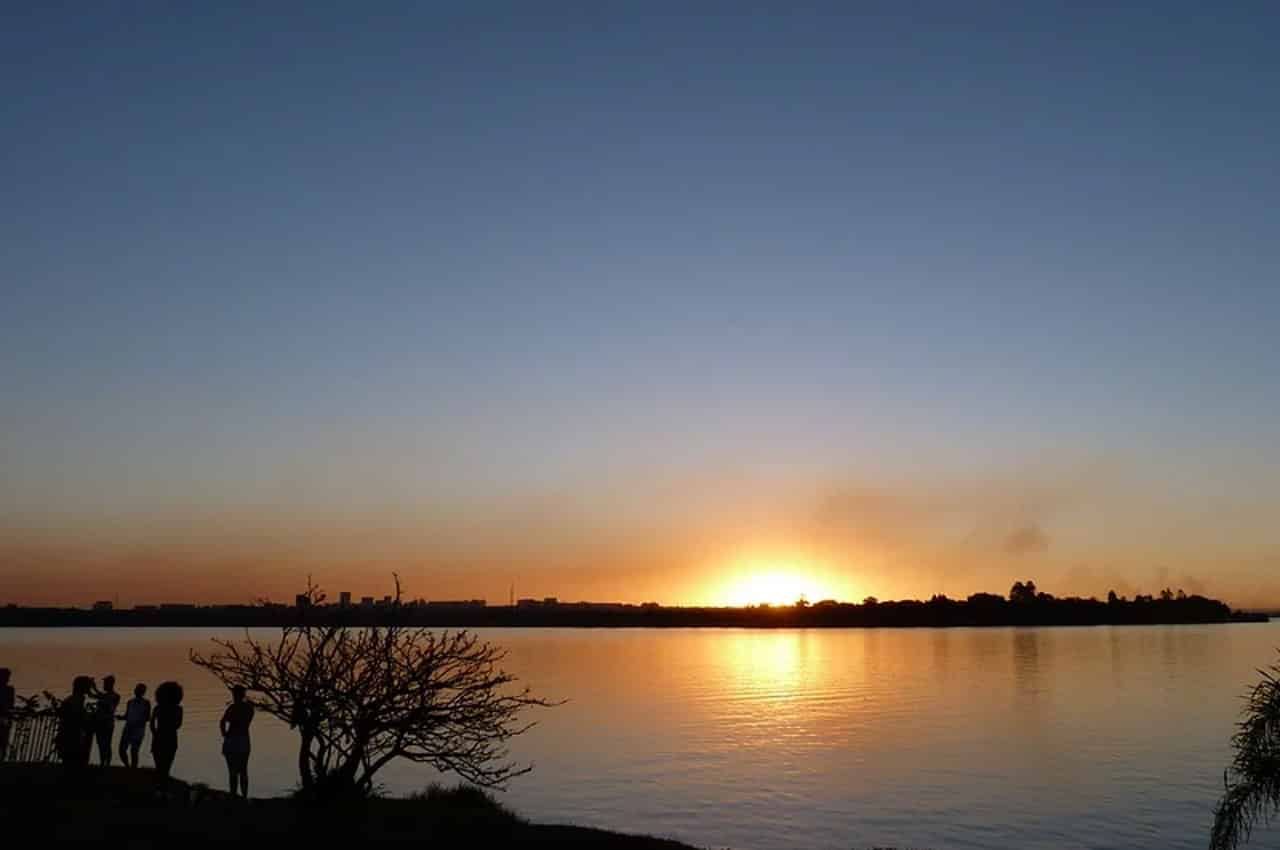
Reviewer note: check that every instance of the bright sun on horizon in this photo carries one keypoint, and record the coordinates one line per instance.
(775, 583)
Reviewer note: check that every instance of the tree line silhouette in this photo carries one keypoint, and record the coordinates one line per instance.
(1024, 605)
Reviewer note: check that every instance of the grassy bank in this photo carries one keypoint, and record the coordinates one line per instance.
(128, 806)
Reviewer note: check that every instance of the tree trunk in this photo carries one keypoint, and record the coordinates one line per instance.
(350, 767)
(304, 762)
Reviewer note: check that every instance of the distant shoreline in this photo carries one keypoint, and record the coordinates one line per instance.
(981, 610)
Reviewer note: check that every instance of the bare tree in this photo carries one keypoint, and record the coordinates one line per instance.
(363, 697)
(1253, 779)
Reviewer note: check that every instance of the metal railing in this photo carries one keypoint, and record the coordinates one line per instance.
(32, 736)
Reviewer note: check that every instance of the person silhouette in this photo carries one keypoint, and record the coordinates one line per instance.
(136, 714)
(104, 718)
(75, 725)
(235, 740)
(166, 720)
(6, 711)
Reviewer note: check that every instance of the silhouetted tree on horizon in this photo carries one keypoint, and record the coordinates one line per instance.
(1022, 593)
(362, 697)
(1253, 779)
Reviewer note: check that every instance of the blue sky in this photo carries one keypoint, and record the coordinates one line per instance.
(314, 256)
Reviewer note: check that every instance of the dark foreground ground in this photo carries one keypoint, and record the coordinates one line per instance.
(128, 808)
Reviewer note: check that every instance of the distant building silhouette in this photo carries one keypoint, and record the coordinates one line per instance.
(344, 599)
(103, 605)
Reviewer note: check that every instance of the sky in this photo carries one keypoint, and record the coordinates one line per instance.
(685, 302)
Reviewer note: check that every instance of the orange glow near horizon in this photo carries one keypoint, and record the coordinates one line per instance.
(774, 582)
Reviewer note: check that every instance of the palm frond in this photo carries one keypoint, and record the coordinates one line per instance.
(1252, 781)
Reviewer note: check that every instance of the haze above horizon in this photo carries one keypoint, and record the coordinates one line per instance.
(708, 307)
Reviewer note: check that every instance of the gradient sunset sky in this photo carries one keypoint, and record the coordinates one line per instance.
(689, 302)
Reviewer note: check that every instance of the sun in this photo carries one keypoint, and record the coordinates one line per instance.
(773, 584)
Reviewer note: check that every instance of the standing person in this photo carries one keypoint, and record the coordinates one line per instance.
(104, 719)
(235, 740)
(166, 720)
(75, 726)
(6, 711)
(136, 714)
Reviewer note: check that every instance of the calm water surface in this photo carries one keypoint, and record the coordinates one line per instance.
(993, 738)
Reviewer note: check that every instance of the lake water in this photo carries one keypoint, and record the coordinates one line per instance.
(960, 738)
